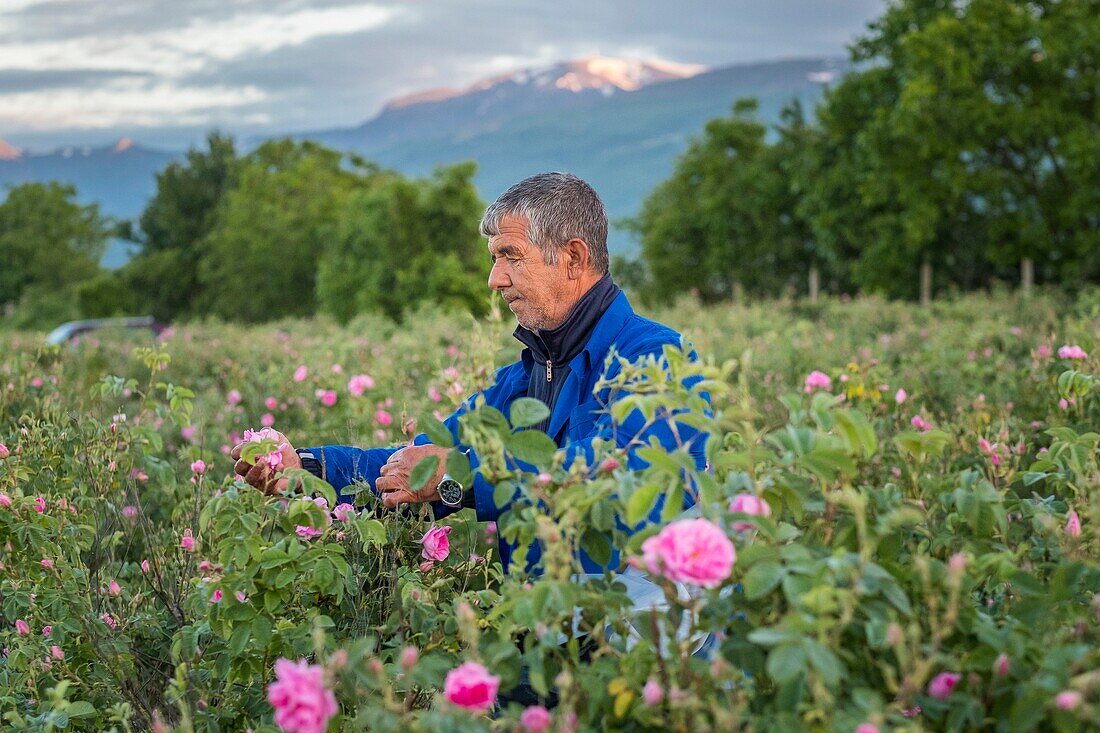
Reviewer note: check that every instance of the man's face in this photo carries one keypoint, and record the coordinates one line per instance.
(536, 292)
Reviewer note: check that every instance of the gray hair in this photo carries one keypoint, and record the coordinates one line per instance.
(558, 207)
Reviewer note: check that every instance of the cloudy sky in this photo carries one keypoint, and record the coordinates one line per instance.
(165, 71)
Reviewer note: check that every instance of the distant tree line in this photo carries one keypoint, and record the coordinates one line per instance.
(963, 149)
(290, 229)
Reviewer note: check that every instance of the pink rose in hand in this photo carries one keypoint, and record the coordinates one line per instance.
(470, 686)
(436, 545)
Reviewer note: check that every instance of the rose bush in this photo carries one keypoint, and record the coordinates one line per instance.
(858, 561)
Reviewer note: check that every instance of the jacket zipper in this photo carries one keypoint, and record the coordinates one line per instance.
(549, 371)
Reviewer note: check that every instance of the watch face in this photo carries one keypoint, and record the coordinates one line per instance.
(450, 492)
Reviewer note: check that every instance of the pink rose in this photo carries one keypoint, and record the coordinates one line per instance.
(1072, 352)
(109, 620)
(114, 588)
(652, 693)
(433, 394)
(410, 655)
(1001, 665)
(5, 501)
(327, 397)
(22, 627)
(40, 505)
(241, 596)
(56, 653)
(217, 596)
(301, 373)
(535, 719)
(129, 511)
(233, 398)
(693, 551)
(383, 418)
(306, 532)
(47, 563)
(436, 545)
(1073, 524)
(470, 686)
(344, 512)
(359, 384)
(749, 504)
(301, 701)
(47, 630)
(187, 542)
(267, 420)
(198, 467)
(866, 728)
(817, 380)
(271, 403)
(943, 684)
(4, 452)
(1067, 699)
(145, 567)
(900, 396)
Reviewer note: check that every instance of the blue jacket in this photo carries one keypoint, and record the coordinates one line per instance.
(579, 417)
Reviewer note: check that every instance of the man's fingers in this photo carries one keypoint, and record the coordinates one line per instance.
(394, 498)
(390, 483)
(255, 476)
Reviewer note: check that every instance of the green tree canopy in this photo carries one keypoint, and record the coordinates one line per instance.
(48, 242)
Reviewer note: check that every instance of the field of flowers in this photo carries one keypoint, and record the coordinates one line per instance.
(898, 531)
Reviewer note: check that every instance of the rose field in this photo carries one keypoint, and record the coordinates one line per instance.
(897, 530)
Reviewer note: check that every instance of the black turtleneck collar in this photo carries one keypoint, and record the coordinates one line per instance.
(563, 343)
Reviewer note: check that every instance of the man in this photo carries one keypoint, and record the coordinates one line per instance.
(548, 242)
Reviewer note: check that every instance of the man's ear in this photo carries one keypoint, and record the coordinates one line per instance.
(576, 256)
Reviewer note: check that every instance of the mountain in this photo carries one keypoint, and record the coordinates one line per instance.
(618, 123)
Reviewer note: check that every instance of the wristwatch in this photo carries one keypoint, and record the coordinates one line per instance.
(450, 491)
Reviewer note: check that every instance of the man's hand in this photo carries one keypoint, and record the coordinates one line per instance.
(393, 479)
(260, 475)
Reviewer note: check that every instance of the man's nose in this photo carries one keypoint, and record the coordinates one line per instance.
(498, 278)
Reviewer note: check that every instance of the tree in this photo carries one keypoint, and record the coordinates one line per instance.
(260, 257)
(726, 219)
(399, 242)
(48, 242)
(164, 274)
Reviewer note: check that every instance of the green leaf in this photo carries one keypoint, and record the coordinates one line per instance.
(640, 503)
(786, 662)
(532, 446)
(80, 709)
(239, 639)
(436, 431)
(458, 467)
(827, 664)
(527, 411)
(762, 579)
(423, 472)
(372, 532)
(597, 546)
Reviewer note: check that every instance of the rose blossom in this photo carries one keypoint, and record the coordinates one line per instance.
(652, 693)
(22, 627)
(359, 384)
(1073, 524)
(271, 403)
(4, 452)
(114, 588)
(410, 655)
(383, 418)
(749, 504)
(1001, 665)
(145, 567)
(233, 398)
(56, 653)
(40, 505)
(47, 630)
(1072, 352)
(815, 380)
(866, 728)
(301, 373)
(693, 551)
(1067, 699)
(535, 719)
(900, 396)
(187, 542)
(436, 544)
(47, 563)
(470, 686)
(302, 702)
(943, 684)
(198, 467)
(5, 501)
